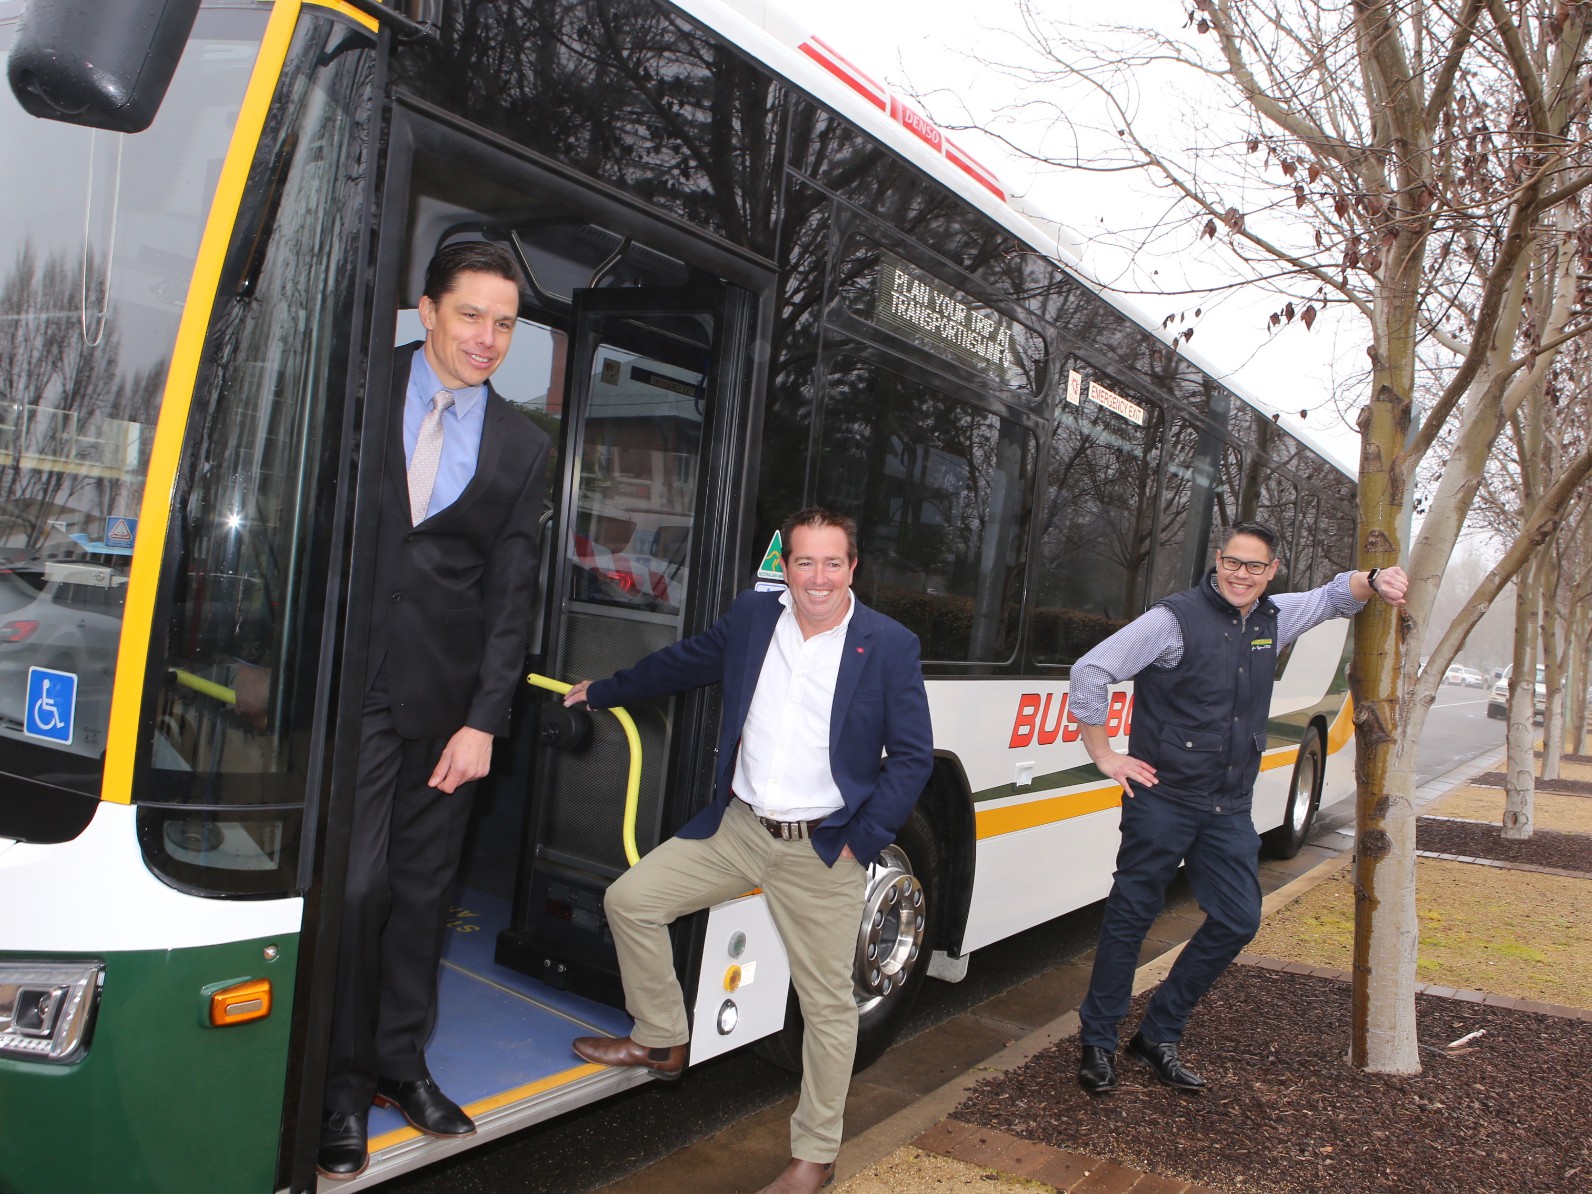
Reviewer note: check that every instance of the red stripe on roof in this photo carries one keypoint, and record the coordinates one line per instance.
(971, 166)
(837, 65)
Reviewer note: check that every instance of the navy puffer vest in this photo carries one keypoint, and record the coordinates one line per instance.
(1202, 724)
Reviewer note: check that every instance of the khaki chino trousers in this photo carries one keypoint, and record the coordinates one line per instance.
(815, 908)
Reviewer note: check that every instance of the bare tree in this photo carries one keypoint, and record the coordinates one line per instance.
(1417, 166)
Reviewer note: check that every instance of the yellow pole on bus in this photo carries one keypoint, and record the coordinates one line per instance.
(632, 782)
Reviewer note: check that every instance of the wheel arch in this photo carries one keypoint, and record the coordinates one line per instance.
(947, 801)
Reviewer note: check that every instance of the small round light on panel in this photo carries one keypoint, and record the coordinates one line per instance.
(737, 944)
(729, 1014)
(732, 979)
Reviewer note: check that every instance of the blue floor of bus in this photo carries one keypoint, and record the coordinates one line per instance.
(497, 1029)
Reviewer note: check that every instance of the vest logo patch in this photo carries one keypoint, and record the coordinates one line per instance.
(1261, 644)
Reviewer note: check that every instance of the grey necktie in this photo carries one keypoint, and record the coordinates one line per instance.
(428, 454)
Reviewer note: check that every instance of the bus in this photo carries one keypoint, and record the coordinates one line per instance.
(754, 279)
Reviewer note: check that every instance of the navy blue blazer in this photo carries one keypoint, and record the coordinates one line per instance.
(880, 707)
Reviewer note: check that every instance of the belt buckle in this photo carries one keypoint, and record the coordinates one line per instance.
(789, 830)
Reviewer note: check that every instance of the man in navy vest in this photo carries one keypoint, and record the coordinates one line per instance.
(1202, 662)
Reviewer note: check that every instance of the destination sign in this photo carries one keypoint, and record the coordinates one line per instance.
(945, 321)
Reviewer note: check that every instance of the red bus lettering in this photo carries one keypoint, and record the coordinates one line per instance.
(1073, 728)
(1027, 713)
(1118, 706)
(1047, 733)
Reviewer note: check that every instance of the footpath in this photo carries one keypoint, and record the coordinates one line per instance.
(902, 1131)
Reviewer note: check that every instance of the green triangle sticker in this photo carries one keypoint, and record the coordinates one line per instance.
(772, 567)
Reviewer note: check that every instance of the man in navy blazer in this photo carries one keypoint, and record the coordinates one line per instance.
(824, 747)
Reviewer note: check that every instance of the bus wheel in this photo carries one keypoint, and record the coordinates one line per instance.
(1303, 799)
(894, 937)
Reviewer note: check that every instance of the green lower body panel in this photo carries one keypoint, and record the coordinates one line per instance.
(160, 1103)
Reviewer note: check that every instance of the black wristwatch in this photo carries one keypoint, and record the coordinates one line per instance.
(1370, 579)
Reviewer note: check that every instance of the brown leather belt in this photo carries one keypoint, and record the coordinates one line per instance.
(788, 831)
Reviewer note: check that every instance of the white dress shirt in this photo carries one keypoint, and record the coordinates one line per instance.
(782, 767)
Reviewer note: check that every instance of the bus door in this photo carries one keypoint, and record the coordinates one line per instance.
(653, 475)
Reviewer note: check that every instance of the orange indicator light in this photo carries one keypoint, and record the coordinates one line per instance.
(732, 978)
(240, 1003)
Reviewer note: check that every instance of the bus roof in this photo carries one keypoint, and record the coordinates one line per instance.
(786, 45)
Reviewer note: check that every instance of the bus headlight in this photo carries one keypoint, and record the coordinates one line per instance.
(47, 1009)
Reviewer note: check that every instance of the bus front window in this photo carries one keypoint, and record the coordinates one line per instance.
(98, 235)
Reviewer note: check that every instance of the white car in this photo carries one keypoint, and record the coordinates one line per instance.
(65, 615)
(1498, 701)
(1469, 677)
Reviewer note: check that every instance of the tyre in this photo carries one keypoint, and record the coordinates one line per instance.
(894, 937)
(1495, 712)
(1304, 798)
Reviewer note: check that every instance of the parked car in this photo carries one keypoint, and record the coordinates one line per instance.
(1498, 701)
(1469, 677)
(65, 615)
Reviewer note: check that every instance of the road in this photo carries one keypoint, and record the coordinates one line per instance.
(590, 1148)
(1457, 731)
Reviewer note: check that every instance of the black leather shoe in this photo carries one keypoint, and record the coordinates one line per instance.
(1097, 1070)
(1163, 1059)
(344, 1151)
(425, 1107)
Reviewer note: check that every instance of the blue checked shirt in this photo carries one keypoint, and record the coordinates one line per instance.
(1154, 639)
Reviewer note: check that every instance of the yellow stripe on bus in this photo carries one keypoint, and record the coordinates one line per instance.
(1014, 817)
(994, 822)
(1342, 728)
(1274, 759)
(132, 657)
(493, 1102)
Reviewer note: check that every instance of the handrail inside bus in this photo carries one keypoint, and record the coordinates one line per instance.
(632, 782)
(209, 687)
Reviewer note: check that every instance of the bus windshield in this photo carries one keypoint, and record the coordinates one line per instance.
(98, 236)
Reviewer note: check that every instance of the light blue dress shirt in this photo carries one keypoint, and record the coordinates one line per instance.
(461, 431)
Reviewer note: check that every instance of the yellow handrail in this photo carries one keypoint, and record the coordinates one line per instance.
(633, 782)
(209, 687)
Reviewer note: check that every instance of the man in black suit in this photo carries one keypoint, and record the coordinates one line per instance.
(456, 564)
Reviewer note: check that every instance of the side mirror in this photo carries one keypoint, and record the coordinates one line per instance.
(102, 65)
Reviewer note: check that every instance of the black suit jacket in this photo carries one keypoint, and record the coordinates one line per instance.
(453, 597)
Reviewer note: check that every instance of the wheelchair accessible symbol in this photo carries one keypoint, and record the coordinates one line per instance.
(52, 705)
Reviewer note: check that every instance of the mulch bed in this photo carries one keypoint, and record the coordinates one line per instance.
(1286, 1114)
(1479, 839)
(1559, 787)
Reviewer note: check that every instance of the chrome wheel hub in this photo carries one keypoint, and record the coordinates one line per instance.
(1307, 784)
(890, 937)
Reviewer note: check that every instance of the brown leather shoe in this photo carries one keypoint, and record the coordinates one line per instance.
(801, 1177)
(667, 1062)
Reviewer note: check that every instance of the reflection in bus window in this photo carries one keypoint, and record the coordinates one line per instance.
(1194, 466)
(96, 248)
(234, 713)
(1096, 524)
(1267, 497)
(940, 491)
(638, 468)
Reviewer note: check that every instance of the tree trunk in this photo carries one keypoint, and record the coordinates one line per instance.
(1519, 784)
(1580, 676)
(1553, 668)
(1382, 1026)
